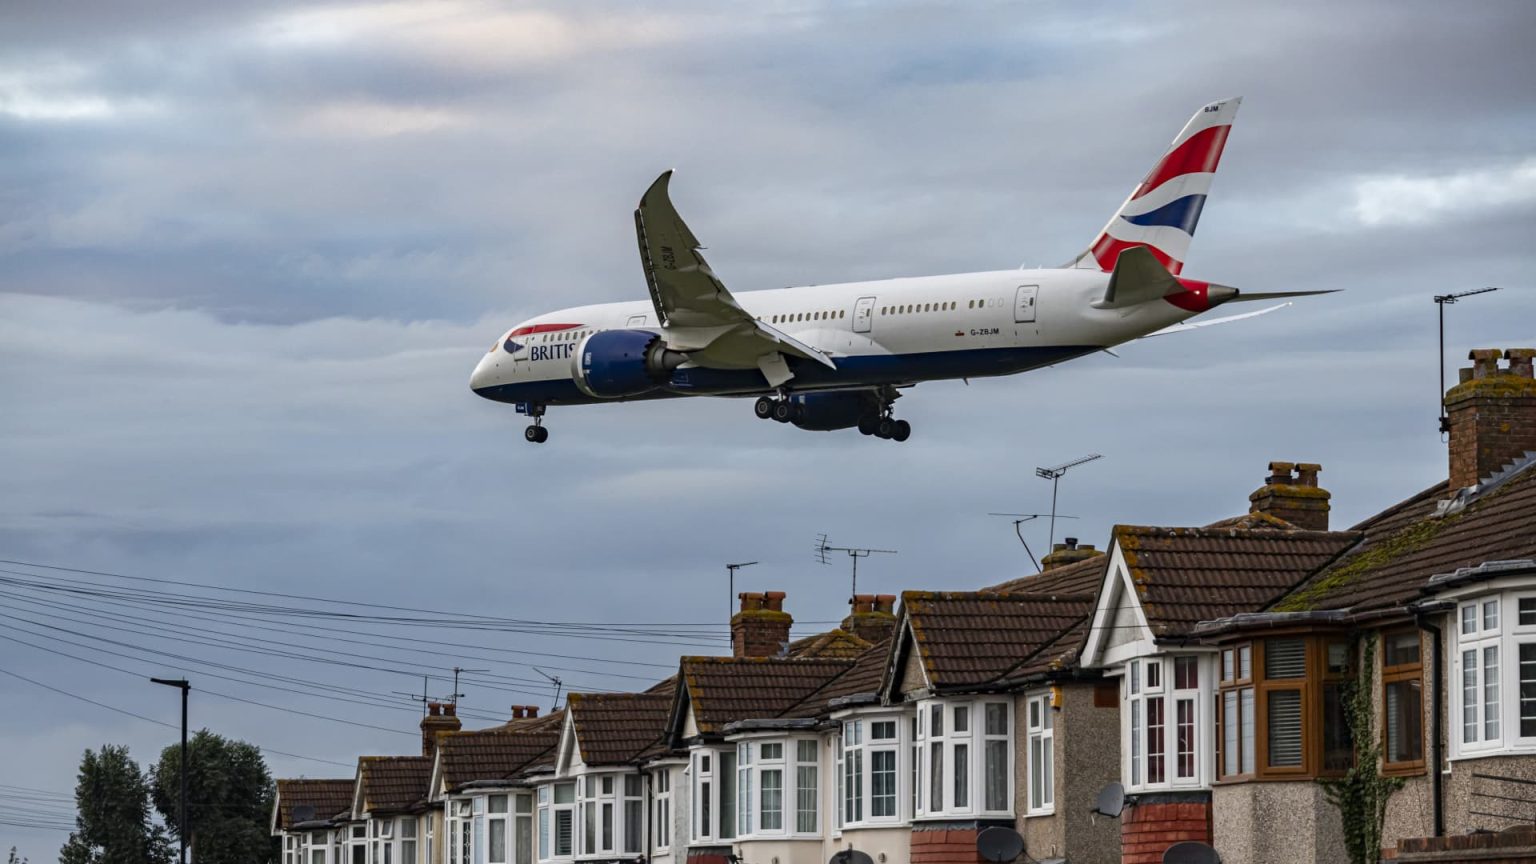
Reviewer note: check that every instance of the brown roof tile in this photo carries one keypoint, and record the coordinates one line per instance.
(394, 783)
(616, 728)
(861, 679)
(1083, 577)
(1188, 575)
(726, 689)
(975, 637)
(833, 643)
(1407, 544)
(499, 753)
(324, 799)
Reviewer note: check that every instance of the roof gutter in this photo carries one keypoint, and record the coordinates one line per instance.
(1274, 620)
(770, 724)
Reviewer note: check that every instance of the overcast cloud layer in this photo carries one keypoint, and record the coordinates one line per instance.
(249, 254)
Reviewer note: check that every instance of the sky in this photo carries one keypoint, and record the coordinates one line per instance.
(250, 252)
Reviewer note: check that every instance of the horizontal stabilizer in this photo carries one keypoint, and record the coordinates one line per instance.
(1138, 278)
(1278, 295)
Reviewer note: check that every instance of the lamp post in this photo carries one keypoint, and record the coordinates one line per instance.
(181, 800)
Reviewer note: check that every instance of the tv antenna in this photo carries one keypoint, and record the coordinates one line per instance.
(1442, 301)
(456, 695)
(822, 548)
(555, 680)
(1018, 520)
(423, 698)
(731, 600)
(1054, 475)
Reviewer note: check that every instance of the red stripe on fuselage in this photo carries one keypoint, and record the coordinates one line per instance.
(541, 328)
(1201, 153)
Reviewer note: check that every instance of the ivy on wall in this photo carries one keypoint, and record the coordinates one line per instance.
(1361, 795)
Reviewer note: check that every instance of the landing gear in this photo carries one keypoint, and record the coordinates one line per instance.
(780, 409)
(763, 408)
(536, 433)
(882, 425)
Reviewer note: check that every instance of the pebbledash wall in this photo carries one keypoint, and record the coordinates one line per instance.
(1086, 753)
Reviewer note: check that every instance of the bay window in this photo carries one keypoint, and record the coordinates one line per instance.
(1042, 785)
(357, 844)
(966, 751)
(870, 771)
(714, 794)
(1280, 708)
(1494, 667)
(557, 821)
(764, 767)
(661, 832)
(1167, 698)
(610, 808)
(508, 829)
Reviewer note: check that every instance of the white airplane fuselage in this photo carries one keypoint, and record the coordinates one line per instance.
(890, 332)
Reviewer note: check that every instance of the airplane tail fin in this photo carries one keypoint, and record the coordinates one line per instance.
(1164, 208)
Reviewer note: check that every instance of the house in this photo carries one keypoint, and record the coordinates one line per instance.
(310, 817)
(478, 781)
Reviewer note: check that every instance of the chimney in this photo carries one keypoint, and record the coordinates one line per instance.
(1069, 552)
(1492, 414)
(873, 616)
(441, 718)
(761, 628)
(517, 712)
(530, 711)
(1290, 492)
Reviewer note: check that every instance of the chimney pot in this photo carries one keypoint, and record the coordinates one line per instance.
(517, 712)
(450, 709)
(1071, 542)
(531, 710)
(773, 600)
(751, 601)
(434, 709)
(885, 603)
(1485, 362)
(1294, 497)
(1520, 361)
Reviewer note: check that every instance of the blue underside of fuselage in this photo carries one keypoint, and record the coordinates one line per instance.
(851, 372)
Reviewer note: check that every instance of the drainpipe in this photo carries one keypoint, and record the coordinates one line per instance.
(1437, 701)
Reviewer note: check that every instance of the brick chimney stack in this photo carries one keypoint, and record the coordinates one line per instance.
(761, 628)
(873, 617)
(524, 712)
(1492, 414)
(442, 717)
(1290, 492)
(1069, 552)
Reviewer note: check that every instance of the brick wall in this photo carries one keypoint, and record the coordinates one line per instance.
(950, 845)
(1492, 414)
(1151, 826)
(709, 855)
(1515, 846)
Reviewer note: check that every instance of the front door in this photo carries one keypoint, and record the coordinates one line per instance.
(1024, 304)
(863, 314)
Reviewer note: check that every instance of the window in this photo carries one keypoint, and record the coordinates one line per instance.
(662, 831)
(763, 769)
(557, 820)
(964, 750)
(1042, 785)
(496, 830)
(1495, 667)
(870, 771)
(612, 814)
(806, 786)
(1403, 699)
(714, 794)
(1165, 696)
(408, 827)
(1237, 712)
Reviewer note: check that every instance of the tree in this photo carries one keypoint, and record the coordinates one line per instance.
(112, 814)
(13, 859)
(229, 799)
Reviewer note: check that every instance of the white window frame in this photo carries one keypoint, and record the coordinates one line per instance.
(855, 768)
(1153, 678)
(1041, 732)
(547, 812)
(779, 757)
(661, 796)
(955, 750)
(1483, 623)
(719, 774)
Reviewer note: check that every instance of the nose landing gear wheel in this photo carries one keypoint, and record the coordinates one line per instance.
(763, 408)
(536, 434)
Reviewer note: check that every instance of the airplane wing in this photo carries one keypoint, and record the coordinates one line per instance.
(688, 296)
(1196, 325)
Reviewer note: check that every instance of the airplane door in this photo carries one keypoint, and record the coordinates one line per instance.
(1024, 304)
(863, 314)
(635, 321)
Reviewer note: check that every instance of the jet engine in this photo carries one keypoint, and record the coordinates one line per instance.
(617, 364)
(823, 412)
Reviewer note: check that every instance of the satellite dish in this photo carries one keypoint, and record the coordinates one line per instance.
(303, 812)
(851, 856)
(1111, 801)
(1190, 852)
(999, 844)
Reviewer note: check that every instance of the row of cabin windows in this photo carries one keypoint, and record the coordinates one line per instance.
(797, 317)
(914, 308)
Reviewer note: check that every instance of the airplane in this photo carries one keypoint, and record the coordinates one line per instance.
(831, 357)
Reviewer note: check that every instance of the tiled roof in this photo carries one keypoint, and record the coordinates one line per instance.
(498, 753)
(974, 637)
(860, 679)
(394, 783)
(616, 728)
(726, 689)
(1408, 543)
(323, 798)
(1188, 575)
(833, 643)
(1083, 577)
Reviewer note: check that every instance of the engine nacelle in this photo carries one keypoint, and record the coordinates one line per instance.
(617, 364)
(823, 412)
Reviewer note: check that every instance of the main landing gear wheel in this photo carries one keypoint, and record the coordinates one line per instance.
(784, 410)
(868, 424)
(901, 431)
(763, 408)
(536, 434)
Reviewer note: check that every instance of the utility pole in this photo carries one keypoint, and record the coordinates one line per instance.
(181, 800)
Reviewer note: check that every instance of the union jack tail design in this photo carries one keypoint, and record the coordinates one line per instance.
(1163, 209)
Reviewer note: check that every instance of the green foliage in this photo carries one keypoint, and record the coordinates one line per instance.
(1361, 795)
(112, 814)
(229, 799)
(13, 859)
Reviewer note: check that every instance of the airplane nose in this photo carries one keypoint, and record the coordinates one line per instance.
(480, 378)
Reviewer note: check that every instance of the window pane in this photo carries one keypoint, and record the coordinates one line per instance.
(632, 820)
(1245, 661)
(1154, 674)
(1469, 619)
(997, 718)
(1338, 658)
(805, 796)
(1227, 667)
(1036, 773)
(771, 817)
(565, 793)
(1245, 700)
(632, 787)
(589, 827)
(523, 840)
(498, 804)
(1135, 678)
(962, 719)
(1528, 689)
(1229, 728)
(727, 796)
(1469, 700)
(1185, 734)
(543, 833)
(1135, 740)
(498, 841)
(1338, 744)
(1285, 658)
(805, 751)
(1401, 649)
(997, 775)
(858, 784)
(935, 777)
(1186, 673)
(883, 730)
(607, 826)
(1526, 617)
(774, 751)
(936, 721)
(1155, 759)
(1491, 614)
(882, 783)
(962, 776)
(563, 833)
(1284, 715)
(1491, 693)
(1405, 721)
